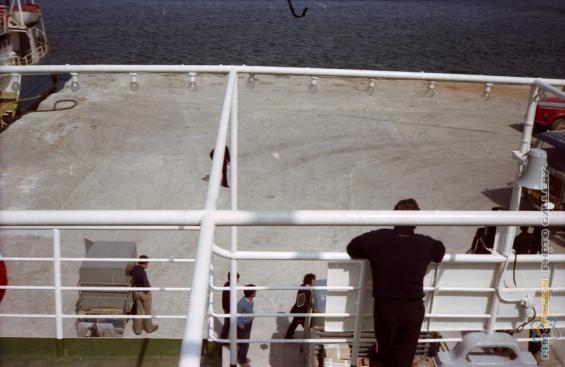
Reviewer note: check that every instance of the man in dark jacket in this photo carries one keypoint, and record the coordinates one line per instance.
(399, 259)
(225, 165)
(142, 298)
(226, 307)
(483, 242)
(525, 242)
(303, 304)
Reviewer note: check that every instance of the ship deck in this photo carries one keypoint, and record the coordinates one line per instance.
(338, 148)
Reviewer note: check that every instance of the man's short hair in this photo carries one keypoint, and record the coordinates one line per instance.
(407, 204)
(229, 275)
(309, 278)
(249, 292)
(142, 262)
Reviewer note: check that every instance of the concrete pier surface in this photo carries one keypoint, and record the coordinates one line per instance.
(338, 148)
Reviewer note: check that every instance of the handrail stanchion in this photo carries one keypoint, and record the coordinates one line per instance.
(192, 340)
(211, 302)
(57, 289)
(510, 231)
(233, 229)
(358, 314)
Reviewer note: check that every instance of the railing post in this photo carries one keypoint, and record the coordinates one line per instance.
(211, 301)
(233, 229)
(510, 231)
(192, 341)
(358, 314)
(57, 289)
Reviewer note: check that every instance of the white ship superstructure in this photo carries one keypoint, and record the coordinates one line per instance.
(23, 41)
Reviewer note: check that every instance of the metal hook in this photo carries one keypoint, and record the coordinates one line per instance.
(294, 12)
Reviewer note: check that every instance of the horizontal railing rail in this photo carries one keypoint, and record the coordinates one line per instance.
(352, 340)
(270, 70)
(109, 218)
(96, 259)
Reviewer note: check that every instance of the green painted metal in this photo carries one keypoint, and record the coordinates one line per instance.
(99, 351)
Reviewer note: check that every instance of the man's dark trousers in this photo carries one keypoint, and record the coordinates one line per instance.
(224, 333)
(242, 348)
(397, 329)
(293, 325)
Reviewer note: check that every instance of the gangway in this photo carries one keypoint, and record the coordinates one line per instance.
(485, 302)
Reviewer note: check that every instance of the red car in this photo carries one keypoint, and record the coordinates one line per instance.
(550, 114)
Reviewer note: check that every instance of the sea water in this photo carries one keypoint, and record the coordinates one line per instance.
(501, 37)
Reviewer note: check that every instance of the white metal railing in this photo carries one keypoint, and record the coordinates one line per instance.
(57, 286)
(209, 218)
(251, 255)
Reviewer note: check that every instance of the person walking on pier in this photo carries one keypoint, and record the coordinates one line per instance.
(245, 305)
(226, 307)
(483, 242)
(399, 259)
(225, 165)
(303, 304)
(142, 299)
(525, 242)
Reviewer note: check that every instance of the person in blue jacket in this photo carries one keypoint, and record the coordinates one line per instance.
(245, 305)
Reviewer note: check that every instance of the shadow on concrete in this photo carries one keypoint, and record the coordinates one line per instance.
(34, 90)
(517, 126)
(141, 356)
(499, 196)
(283, 355)
(558, 238)
(218, 326)
(520, 127)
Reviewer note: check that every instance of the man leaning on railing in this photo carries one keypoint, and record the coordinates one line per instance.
(399, 259)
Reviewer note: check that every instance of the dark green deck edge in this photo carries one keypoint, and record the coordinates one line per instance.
(100, 351)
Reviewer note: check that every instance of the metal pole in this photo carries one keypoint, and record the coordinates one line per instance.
(358, 314)
(55, 218)
(233, 229)
(549, 88)
(211, 302)
(508, 238)
(57, 290)
(192, 341)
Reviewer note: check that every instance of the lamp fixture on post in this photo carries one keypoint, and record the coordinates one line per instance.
(250, 84)
(17, 83)
(192, 81)
(487, 92)
(133, 84)
(75, 86)
(371, 87)
(313, 87)
(431, 89)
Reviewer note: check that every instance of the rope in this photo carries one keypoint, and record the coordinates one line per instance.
(54, 109)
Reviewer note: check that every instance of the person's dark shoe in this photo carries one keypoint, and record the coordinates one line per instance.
(155, 328)
(137, 332)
